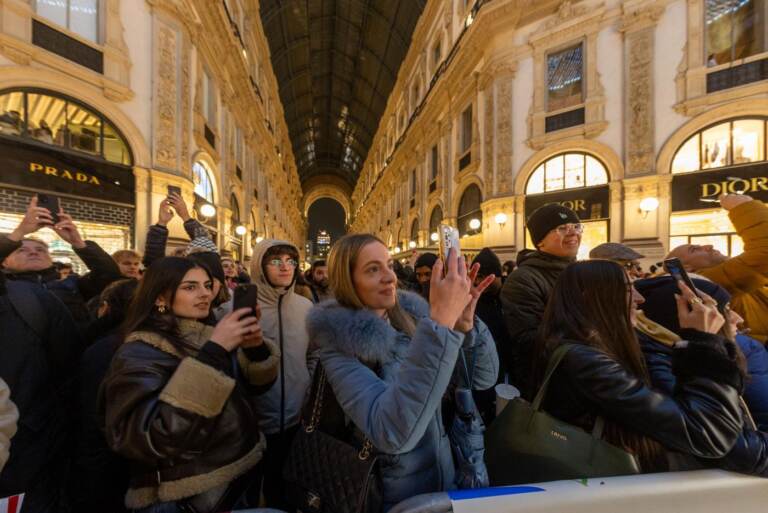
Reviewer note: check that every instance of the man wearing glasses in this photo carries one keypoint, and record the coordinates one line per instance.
(556, 232)
(274, 270)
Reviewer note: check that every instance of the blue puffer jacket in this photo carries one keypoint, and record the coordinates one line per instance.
(398, 407)
(756, 389)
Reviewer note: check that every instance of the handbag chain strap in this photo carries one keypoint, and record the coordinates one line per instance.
(317, 408)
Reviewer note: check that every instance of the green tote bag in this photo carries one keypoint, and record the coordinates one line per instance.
(526, 445)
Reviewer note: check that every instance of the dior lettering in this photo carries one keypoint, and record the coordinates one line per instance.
(575, 205)
(75, 176)
(738, 186)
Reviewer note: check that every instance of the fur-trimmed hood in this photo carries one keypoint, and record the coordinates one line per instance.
(361, 333)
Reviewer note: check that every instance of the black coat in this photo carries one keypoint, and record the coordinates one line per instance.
(187, 423)
(524, 298)
(750, 453)
(39, 370)
(489, 310)
(701, 417)
(74, 291)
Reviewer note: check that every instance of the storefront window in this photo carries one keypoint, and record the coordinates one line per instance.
(705, 227)
(203, 182)
(711, 148)
(564, 78)
(59, 121)
(434, 221)
(577, 181)
(470, 218)
(735, 29)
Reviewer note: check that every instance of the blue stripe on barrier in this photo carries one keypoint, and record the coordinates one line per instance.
(479, 493)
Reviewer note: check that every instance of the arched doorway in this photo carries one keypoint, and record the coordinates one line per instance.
(579, 181)
(327, 224)
(414, 237)
(55, 144)
(726, 157)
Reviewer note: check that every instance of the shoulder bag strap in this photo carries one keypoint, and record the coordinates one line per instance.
(554, 362)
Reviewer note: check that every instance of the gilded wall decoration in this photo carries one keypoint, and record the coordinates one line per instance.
(166, 93)
(504, 131)
(186, 78)
(639, 48)
(489, 130)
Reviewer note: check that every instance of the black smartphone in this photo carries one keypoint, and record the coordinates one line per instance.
(675, 268)
(172, 189)
(50, 203)
(246, 295)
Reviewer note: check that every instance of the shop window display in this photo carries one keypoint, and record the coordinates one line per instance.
(203, 182)
(711, 148)
(470, 218)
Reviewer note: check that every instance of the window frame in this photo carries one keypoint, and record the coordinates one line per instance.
(543, 165)
(466, 135)
(208, 174)
(98, 41)
(557, 50)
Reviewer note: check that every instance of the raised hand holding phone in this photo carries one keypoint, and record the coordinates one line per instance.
(449, 290)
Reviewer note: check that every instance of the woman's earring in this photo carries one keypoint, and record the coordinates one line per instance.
(161, 309)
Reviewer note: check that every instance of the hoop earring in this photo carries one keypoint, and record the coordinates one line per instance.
(161, 309)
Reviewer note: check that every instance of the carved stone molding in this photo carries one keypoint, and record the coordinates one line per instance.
(165, 97)
(504, 172)
(639, 132)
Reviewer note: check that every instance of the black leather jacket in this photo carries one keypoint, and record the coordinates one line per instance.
(701, 418)
(188, 424)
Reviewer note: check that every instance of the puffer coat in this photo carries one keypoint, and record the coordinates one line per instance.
(397, 406)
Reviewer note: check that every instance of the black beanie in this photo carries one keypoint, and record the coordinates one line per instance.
(549, 217)
(660, 305)
(212, 261)
(489, 262)
(425, 260)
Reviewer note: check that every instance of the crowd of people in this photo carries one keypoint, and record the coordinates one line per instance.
(138, 386)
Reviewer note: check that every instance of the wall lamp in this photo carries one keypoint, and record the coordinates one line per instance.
(648, 205)
(501, 219)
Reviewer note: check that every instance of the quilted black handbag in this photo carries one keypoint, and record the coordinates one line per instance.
(325, 474)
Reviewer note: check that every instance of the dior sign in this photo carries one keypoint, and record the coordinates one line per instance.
(700, 190)
(587, 202)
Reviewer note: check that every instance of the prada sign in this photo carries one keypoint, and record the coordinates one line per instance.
(588, 203)
(48, 170)
(699, 190)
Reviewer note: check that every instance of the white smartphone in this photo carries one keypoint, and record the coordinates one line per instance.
(449, 239)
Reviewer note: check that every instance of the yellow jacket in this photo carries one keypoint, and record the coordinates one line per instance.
(745, 277)
(8, 417)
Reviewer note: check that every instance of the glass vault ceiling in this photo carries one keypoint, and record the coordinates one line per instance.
(336, 62)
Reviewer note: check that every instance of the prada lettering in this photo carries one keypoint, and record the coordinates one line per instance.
(734, 186)
(75, 176)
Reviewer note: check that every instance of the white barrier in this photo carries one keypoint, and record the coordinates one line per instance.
(701, 491)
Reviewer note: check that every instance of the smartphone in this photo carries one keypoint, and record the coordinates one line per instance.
(449, 239)
(50, 203)
(172, 189)
(675, 268)
(246, 295)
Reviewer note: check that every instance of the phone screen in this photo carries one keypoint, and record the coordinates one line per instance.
(675, 268)
(172, 189)
(449, 240)
(50, 203)
(246, 296)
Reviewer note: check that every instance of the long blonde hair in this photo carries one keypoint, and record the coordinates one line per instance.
(341, 264)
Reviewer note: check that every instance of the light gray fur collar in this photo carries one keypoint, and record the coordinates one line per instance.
(361, 333)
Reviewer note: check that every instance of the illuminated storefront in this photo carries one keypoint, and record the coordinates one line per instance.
(578, 181)
(57, 145)
(729, 157)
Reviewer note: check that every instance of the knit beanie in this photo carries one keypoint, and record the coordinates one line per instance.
(549, 217)
(660, 305)
(201, 244)
(212, 261)
(425, 260)
(489, 262)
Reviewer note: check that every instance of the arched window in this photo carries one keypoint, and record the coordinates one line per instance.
(729, 156)
(235, 208)
(470, 218)
(434, 221)
(735, 142)
(415, 231)
(201, 175)
(50, 118)
(567, 171)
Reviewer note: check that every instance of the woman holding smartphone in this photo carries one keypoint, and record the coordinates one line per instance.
(594, 309)
(179, 395)
(390, 357)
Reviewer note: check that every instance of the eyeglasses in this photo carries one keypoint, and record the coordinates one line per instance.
(565, 229)
(277, 262)
(633, 266)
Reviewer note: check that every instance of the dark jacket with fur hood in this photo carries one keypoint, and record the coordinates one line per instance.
(186, 421)
(398, 406)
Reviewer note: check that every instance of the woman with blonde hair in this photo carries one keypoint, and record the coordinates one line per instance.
(389, 357)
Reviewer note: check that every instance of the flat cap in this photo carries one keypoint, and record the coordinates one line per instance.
(614, 251)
